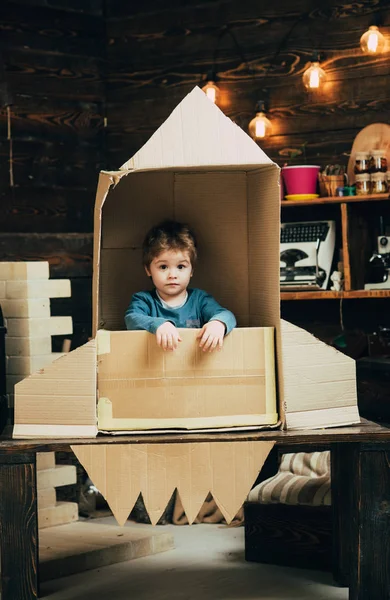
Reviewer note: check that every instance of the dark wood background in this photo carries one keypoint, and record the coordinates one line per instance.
(54, 56)
(91, 80)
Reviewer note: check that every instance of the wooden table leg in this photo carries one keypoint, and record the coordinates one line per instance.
(370, 559)
(343, 456)
(18, 527)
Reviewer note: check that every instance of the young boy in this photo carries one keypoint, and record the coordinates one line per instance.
(169, 257)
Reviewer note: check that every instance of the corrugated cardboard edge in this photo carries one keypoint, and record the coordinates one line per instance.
(49, 392)
(106, 180)
(319, 382)
(108, 422)
(270, 374)
(226, 469)
(174, 432)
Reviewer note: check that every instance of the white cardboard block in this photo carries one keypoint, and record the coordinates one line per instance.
(26, 308)
(24, 270)
(51, 288)
(45, 460)
(60, 514)
(58, 476)
(27, 346)
(39, 327)
(46, 498)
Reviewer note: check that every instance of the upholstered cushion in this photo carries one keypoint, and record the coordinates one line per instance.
(303, 479)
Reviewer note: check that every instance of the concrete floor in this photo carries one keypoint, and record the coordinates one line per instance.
(207, 563)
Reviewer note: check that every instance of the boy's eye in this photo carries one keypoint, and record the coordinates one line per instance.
(163, 267)
(181, 267)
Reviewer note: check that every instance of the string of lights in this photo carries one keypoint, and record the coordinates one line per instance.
(313, 78)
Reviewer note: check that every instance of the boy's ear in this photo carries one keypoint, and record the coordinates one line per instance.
(148, 273)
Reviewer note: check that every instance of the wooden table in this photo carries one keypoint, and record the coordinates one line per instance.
(360, 500)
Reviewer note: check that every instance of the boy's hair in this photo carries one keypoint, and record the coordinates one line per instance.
(169, 235)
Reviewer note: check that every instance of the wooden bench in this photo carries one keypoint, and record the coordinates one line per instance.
(360, 459)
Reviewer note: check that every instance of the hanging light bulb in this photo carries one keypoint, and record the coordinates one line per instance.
(372, 42)
(211, 89)
(260, 127)
(314, 76)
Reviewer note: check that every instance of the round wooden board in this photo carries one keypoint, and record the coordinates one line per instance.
(372, 137)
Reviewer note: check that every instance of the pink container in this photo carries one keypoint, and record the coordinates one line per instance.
(300, 179)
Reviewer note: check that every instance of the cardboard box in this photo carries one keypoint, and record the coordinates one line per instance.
(200, 168)
(142, 387)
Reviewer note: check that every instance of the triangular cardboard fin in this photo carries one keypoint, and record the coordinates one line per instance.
(319, 381)
(161, 472)
(235, 468)
(59, 400)
(195, 481)
(121, 471)
(115, 470)
(197, 133)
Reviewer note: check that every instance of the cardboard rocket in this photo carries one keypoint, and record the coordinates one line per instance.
(202, 169)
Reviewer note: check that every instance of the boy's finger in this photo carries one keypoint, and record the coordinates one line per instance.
(214, 345)
(208, 343)
(164, 341)
(220, 343)
(204, 339)
(201, 332)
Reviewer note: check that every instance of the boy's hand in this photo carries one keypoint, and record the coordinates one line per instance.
(168, 336)
(211, 336)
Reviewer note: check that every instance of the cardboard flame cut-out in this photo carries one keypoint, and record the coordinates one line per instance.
(226, 469)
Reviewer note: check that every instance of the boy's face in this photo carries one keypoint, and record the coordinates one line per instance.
(171, 272)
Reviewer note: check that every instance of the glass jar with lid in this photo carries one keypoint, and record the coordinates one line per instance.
(378, 162)
(362, 163)
(378, 183)
(362, 183)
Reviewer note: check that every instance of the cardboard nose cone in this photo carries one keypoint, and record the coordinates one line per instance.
(300, 179)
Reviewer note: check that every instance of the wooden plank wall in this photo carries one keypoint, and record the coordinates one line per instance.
(159, 53)
(52, 54)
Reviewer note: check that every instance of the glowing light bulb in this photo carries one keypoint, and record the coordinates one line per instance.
(260, 127)
(212, 91)
(372, 42)
(314, 79)
(314, 76)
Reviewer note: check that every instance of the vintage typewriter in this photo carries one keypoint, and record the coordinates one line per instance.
(306, 254)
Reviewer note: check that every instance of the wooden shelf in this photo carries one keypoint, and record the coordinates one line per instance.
(335, 200)
(331, 295)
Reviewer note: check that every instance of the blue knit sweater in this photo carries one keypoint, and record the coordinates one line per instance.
(147, 312)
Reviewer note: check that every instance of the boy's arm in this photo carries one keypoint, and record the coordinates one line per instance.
(138, 316)
(212, 311)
